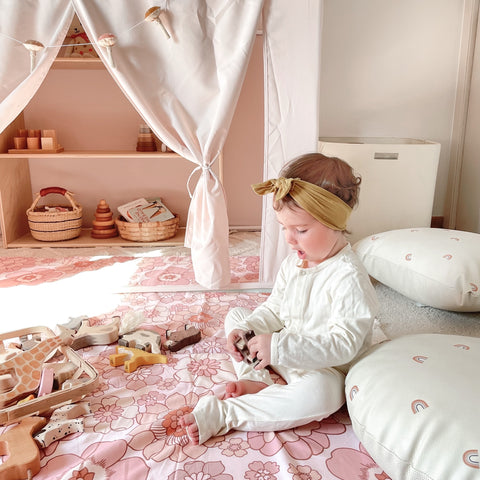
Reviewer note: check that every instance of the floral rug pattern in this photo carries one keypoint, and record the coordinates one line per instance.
(133, 431)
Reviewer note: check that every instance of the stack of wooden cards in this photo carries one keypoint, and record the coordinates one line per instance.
(143, 210)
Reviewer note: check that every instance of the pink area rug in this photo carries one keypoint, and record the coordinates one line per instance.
(149, 271)
(133, 431)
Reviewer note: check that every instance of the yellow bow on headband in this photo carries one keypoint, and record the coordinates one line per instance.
(323, 205)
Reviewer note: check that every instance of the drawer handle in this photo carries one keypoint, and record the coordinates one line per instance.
(385, 156)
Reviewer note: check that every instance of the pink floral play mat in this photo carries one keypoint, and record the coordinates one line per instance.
(133, 430)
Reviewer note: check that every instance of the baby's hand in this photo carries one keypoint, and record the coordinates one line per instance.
(232, 338)
(260, 347)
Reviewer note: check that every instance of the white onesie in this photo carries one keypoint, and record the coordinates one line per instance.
(321, 319)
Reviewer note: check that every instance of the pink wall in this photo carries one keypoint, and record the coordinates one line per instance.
(89, 112)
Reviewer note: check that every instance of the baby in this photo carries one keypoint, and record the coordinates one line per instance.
(318, 318)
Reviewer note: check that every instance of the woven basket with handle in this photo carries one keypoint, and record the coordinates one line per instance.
(51, 225)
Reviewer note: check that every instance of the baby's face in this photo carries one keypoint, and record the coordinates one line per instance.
(312, 240)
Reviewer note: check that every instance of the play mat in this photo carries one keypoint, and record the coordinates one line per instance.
(132, 431)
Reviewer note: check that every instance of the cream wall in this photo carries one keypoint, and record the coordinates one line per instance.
(389, 69)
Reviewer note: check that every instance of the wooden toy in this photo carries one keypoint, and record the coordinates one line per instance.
(46, 382)
(29, 341)
(132, 358)
(64, 421)
(7, 352)
(26, 399)
(146, 140)
(73, 323)
(242, 346)
(146, 340)
(74, 382)
(96, 335)
(62, 371)
(104, 224)
(23, 454)
(181, 338)
(27, 368)
(6, 382)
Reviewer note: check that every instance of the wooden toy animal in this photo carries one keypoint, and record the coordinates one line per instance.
(178, 339)
(17, 443)
(27, 367)
(146, 340)
(96, 335)
(132, 358)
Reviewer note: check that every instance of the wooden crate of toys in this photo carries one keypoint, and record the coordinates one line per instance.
(46, 373)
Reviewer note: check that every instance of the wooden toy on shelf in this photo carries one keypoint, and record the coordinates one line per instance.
(132, 358)
(146, 140)
(104, 224)
(35, 141)
(17, 443)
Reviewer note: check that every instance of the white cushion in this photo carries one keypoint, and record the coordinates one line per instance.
(414, 401)
(433, 266)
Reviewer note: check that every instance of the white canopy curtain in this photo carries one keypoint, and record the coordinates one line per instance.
(45, 21)
(292, 69)
(185, 87)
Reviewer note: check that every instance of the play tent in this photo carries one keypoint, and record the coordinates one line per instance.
(181, 64)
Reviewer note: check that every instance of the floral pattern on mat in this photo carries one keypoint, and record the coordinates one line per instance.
(133, 431)
(148, 271)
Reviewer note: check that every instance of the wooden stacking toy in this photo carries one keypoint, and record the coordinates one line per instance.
(146, 140)
(103, 225)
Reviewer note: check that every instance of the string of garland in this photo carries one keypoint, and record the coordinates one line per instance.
(107, 41)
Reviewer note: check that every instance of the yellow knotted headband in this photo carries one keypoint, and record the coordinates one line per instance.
(323, 205)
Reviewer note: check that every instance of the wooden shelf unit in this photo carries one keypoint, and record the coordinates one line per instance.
(16, 196)
(85, 240)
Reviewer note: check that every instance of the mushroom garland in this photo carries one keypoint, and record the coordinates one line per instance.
(107, 41)
(156, 14)
(33, 46)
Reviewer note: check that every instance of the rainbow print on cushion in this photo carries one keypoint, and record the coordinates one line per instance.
(419, 405)
(419, 358)
(353, 392)
(470, 457)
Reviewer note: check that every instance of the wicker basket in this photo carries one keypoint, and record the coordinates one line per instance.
(54, 226)
(147, 231)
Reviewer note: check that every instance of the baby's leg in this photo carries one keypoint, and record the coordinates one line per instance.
(243, 387)
(310, 396)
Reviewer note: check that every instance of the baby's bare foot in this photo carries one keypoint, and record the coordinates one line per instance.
(190, 425)
(243, 387)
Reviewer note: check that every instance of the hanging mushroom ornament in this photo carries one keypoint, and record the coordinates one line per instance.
(156, 14)
(33, 47)
(108, 40)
